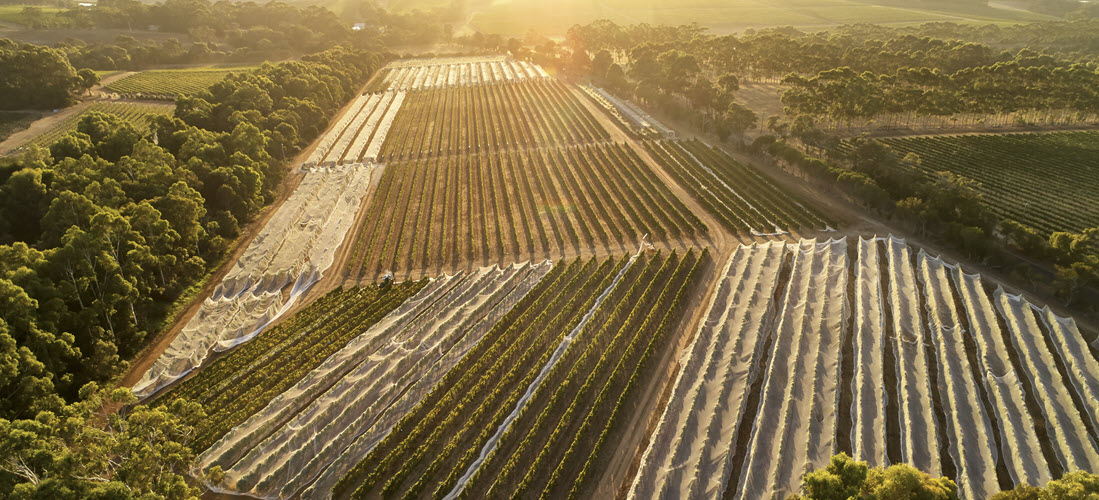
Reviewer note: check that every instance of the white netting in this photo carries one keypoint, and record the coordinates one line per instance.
(370, 128)
(688, 454)
(329, 139)
(335, 414)
(1072, 445)
(1083, 370)
(796, 423)
(562, 347)
(869, 403)
(424, 74)
(633, 116)
(375, 148)
(1021, 449)
(919, 437)
(691, 452)
(337, 152)
(291, 253)
(969, 432)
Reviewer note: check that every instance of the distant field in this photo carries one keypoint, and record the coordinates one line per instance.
(106, 73)
(132, 112)
(1049, 182)
(516, 17)
(14, 13)
(166, 84)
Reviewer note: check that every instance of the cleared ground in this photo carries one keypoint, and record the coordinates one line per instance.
(136, 113)
(12, 122)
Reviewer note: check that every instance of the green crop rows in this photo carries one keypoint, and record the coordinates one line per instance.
(446, 211)
(741, 198)
(135, 113)
(568, 426)
(233, 388)
(483, 118)
(166, 84)
(1049, 182)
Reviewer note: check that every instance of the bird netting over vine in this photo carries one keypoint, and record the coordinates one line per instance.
(933, 377)
(327, 422)
(291, 252)
(459, 71)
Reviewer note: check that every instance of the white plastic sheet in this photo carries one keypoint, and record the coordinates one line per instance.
(360, 392)
(796, 423)
(690, 455)
(919, 437)
(1064, 427)
(1021, 449)
(969, 432)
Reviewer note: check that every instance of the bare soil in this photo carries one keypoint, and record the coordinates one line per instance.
(39, 127)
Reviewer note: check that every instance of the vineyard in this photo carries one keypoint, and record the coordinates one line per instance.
(799, 341)
(518, 287)
(137, 114)
(237, 386)
(537, 410)
(358, 136)
(442, 213)
(167, 84)
(1018, 172)
(291, 253)
(319, 427)
(626, 114)
(485, 118)
(433, 73)
(741, 198)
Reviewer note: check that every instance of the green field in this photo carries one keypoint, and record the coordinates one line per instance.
(1049, 182)
(516, 17)
(14, 13)
(131, 112)
(166, 84)
(106, 73)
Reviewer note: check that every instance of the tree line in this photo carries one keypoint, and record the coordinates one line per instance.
(100, 233)
(860, 74)
(36, 77)
(221, 32)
